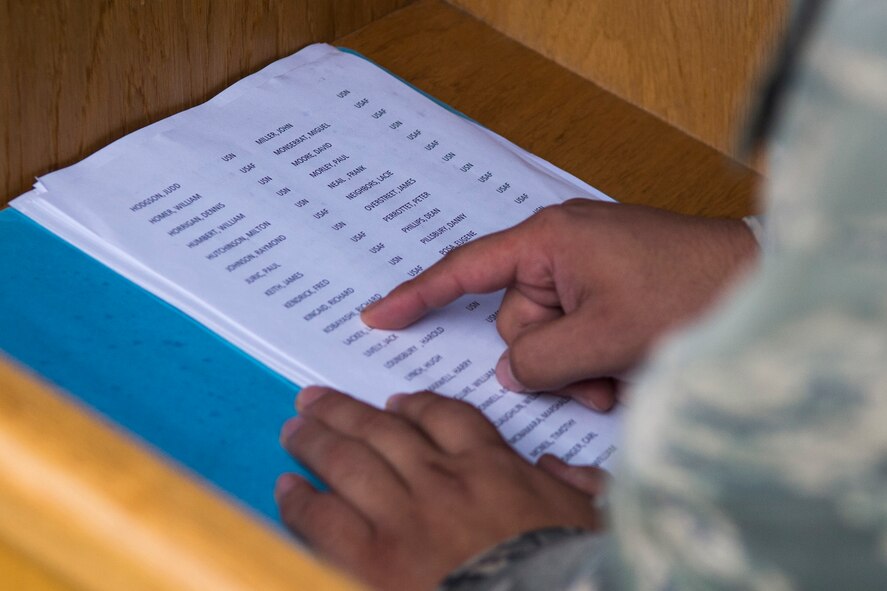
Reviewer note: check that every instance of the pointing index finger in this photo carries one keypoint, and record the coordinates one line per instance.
(488, 264)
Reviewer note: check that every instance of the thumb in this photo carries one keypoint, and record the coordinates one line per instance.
(551, 355)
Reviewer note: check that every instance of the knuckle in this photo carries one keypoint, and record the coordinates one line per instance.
(339, 452)
(441, 408)
(350, 466)
(551, 225)
(432, 416)
(395, 431)
(466, 409)
(494, 463)
(443, 416)
(415, 401)
(447, 475)
(464, 414)
(326, 405)
(375, 423)
(553, 217)
(425, 413)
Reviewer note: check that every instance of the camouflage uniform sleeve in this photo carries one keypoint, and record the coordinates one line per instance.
(755, 455)
(755, 451)
(551, 558)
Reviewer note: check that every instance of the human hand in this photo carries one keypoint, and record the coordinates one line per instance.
(590, 287)
(418, 489)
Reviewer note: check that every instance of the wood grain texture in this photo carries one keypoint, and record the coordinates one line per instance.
(695, 63)
(103, 513)
(75, 75)
(20, 572)
(618, 147)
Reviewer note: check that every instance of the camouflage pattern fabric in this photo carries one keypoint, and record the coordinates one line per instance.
(755, 454)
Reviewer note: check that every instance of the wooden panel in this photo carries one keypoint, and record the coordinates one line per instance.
(19, 572)
(621, 149)
(694, 63)
(75, 75)
(105, 514)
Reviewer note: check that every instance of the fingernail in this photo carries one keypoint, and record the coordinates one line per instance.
(548, 457)
(370, 307)
(308, 396)
(394, 400)
(585, 400)
(290, 427)
(505, 375)
(284, 484)
(592, 401)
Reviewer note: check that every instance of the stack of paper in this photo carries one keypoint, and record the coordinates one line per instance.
(277, 210)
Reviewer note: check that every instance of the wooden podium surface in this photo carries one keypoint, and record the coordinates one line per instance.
(64, 492)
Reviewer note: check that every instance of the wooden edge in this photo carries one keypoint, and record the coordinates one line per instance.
(99, 510)
(21, 573)
(554, 113)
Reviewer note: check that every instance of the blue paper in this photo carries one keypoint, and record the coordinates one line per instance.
(142, 363)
